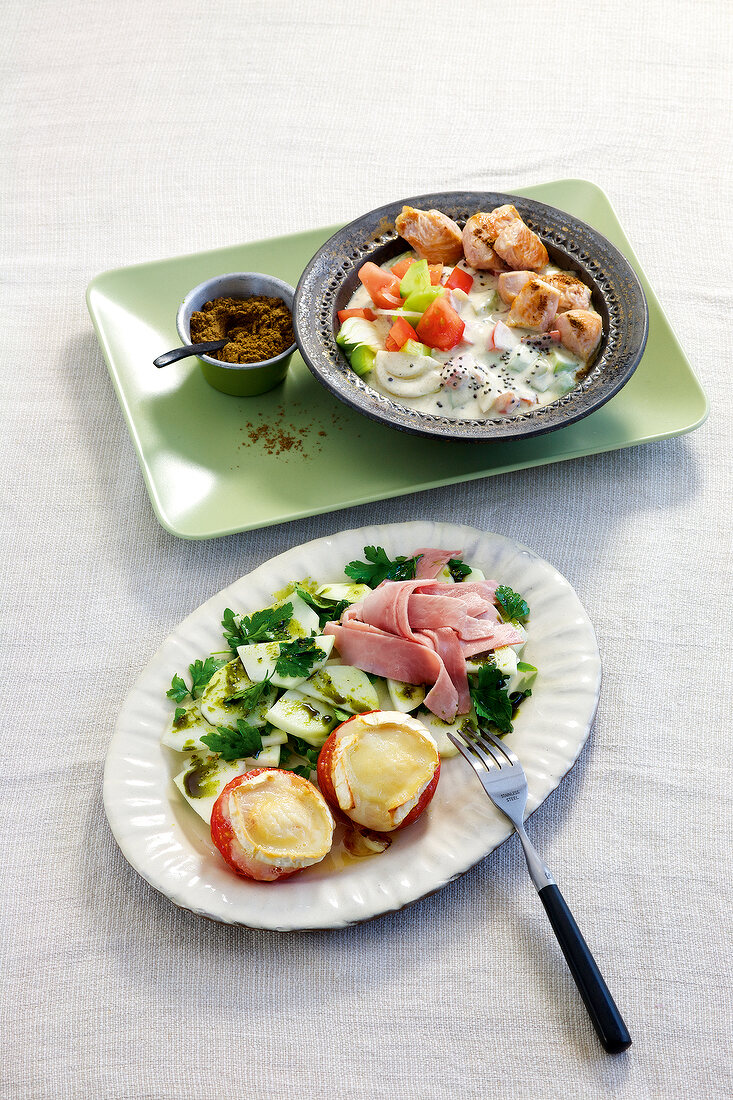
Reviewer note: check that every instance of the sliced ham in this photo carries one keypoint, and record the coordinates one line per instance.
(432, 561)
(422, 631)
(451, 654)
(399, 659)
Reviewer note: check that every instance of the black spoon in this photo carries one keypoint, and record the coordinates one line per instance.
(189, 349)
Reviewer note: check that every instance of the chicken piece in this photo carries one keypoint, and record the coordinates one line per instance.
(534, 307)
(573, 293)
(500, 218)
(580, 332)
(520, 248)
(511, 282)
(479, 235)
(434, 236)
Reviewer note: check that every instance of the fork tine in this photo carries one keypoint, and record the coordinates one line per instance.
(511, 757)
(468, 753)
(485, 752)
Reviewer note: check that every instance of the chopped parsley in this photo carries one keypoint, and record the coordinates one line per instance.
(200, 673)
(234, 744)
(511, 604)
(249, 697)
(298, 657)
(177, 690)
(379, 567)
(458, 569)
(490, 700)
(261, 626)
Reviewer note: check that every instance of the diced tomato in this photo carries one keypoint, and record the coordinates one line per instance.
(383, 286)
(440, 326)
(399, 334)
(401, 267)
(367, 314)
(460, 280)
(436, 273)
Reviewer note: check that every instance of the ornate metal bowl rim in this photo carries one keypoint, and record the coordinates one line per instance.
(331, 275)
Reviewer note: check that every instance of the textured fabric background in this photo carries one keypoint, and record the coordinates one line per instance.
(141, 129)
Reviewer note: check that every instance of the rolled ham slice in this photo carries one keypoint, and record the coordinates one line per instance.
(422, 632)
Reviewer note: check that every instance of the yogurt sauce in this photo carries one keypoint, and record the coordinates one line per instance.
(473, 382)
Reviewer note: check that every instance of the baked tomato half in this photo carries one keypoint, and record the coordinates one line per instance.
(379, 769)
(440, 326)
(270, 823)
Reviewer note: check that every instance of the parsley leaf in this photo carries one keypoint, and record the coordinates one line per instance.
(177, 690)
(201, 672)
(490, 700)
(298, 657)
(329, 611)
(250, 696)
(179, 715)
(458, 569)
(267, 625)
(342, 715)
(511, 604)
(302, 748)
(234, 744)
(378, 567)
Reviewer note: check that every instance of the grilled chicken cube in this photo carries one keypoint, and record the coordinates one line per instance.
(511, 282)
(434, 236)
(534, 307)
(520, 248)
(479, 235)
(573, 293)
(499, 219)
(580, 332)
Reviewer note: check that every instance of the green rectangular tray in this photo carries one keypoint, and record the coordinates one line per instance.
(214, 464)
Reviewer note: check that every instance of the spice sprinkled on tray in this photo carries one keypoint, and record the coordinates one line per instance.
(258, 328)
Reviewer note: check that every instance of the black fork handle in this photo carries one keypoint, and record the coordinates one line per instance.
(604, 1014)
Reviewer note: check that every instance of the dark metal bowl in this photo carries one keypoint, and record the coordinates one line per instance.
(330, 279)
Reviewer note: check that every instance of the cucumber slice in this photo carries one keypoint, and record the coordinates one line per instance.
(342, 686)
(415, 279)
(304, 717)
(351, 592)
(223, 684)
(405, 697)
(505, 660)
(184, 735)
(204, 778)
(464, 723)
(304, 621)
(260, 661)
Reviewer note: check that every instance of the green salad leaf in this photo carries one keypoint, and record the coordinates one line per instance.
(379, 567)
(511, 604)
(298, 657)
(458, 569)
(234, 744)
(490, 700)
(303, 749)
(267, 625)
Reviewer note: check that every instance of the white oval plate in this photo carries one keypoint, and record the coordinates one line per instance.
(170, 846)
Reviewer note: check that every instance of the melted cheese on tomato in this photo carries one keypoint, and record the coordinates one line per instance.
(281, 820)
(381, 766)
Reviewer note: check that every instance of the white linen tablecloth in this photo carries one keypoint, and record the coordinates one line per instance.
(139, 130)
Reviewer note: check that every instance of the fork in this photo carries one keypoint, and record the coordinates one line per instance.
(502, 777)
